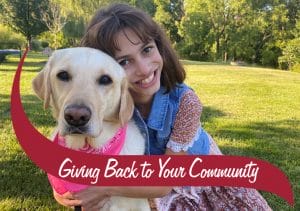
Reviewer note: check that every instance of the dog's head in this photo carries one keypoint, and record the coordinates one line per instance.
(84, 87)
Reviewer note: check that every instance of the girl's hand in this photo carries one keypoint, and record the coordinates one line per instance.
(93, 198)
(67, 199)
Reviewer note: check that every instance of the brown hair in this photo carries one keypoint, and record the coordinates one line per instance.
(106, 23)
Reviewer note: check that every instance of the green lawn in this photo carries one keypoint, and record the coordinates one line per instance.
(249, 111)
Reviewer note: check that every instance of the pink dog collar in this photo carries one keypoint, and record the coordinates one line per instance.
(112, 147)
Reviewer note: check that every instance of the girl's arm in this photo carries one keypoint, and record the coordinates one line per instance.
(94, 198)
(187, 123)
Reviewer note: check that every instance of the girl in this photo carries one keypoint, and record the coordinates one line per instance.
(167, 113)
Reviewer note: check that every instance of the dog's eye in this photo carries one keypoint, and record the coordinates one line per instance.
(63, 76)
(104, 80)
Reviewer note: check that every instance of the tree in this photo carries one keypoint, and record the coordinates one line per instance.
(241, 33)
(146, 5)
(74, 29)
(54, 20)
(195, 30)
(274, 30)
(248, 30)
(10, 39)
(78, 13)
(24, 17)
(290, 58)
(212, 24)
(293, 7)
(169, 14)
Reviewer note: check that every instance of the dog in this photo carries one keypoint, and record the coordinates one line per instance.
(89, 95)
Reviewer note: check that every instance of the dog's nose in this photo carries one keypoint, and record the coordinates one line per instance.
(77, 115)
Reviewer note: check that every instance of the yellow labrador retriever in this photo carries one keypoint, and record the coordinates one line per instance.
(88, 93)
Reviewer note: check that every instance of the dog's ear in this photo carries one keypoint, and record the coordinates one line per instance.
(41, 84)
(126, 104)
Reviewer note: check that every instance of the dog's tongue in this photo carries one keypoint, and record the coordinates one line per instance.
(62, 186)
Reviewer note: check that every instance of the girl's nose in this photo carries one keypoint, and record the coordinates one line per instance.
(142, 68)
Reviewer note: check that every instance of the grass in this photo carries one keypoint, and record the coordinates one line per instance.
(249, 111)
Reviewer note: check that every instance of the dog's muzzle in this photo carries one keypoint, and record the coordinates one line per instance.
(77, 117)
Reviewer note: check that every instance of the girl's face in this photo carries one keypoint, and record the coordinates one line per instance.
(142, 63)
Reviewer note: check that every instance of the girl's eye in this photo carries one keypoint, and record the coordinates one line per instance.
(148, 49)
(124, 62)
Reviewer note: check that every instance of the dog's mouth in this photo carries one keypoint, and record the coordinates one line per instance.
(86, 131)
(72, 130)
(76, 130)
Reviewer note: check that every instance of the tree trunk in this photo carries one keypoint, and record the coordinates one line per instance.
(225, 56)
(218, 47)
(29, 38)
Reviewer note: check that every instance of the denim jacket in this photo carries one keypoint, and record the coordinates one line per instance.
(158, 127)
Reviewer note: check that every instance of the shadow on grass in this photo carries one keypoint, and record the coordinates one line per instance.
(210, 113)
(266, 132)
(11, 66)
(27, 67)
(33, 108)
(275, 141)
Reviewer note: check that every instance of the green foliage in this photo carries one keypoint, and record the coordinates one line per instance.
(251, 31)
(55, 22)
(74, 30)
(291, 55)
(146, 5)
(290, 58)
(219, 28)
(195, 30)
(36, 45)
(44, 44)
(270, 56)
(24, 16)
(76, 13)
(10, 39)
(2, 58)
(54, 41)
(169, 14)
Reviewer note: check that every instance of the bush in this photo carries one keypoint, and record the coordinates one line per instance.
(283, 65)
(36, 45)
(270, 56)
(9, 39)
(44, 44)
(291, 55)
(54, 41)
(2, 58)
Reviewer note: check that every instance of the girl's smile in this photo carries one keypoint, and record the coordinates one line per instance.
(149, 81)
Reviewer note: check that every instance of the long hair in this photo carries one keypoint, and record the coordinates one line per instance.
(108, 22)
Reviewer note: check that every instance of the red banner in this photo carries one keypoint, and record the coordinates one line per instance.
(162, 170)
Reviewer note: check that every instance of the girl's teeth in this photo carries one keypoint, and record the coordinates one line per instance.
(148, 80)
